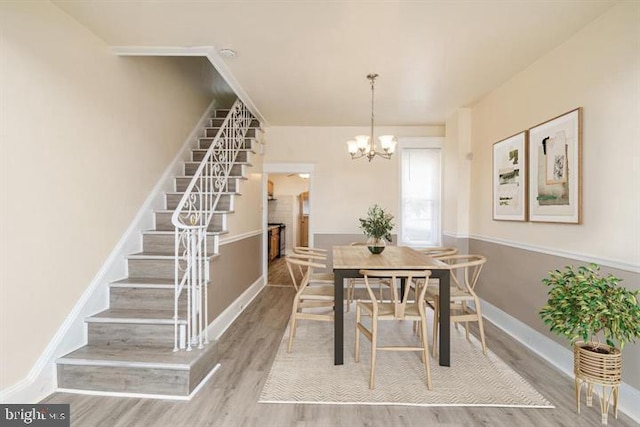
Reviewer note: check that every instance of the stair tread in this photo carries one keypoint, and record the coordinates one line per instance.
(218, 127)
(133, 316)
(132, 355)
(224, 193)
(167, 232)
(144, 281)
(154, 255)
(229, 177)
(206, 149)
(235, 163)
(173, 210)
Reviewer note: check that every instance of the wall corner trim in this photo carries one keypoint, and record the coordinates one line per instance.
(554, 353)
(41, 380)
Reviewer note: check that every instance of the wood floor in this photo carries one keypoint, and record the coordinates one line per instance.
(247, 349)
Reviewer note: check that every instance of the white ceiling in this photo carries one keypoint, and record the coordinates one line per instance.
(305, 62)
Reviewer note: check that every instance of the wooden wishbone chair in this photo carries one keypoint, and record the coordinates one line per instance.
(465, 270)
(326, 278)
(351, 283)
(399, 308)
(309, 296)
(319, 253)
(436, 252)
(439, 251)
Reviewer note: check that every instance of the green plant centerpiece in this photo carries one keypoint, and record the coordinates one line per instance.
(377, 227)
(589, 308)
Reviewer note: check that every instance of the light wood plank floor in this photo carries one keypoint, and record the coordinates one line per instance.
(247, 350)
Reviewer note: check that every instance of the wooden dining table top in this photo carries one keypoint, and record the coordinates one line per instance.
(393, 257)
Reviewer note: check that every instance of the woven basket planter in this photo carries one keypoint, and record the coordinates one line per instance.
(596, 368)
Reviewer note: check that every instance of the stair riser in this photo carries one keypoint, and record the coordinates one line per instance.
(125, 380)
(165, 243)
(205, 143)
(191, 168)
(243, 156)
(203, 366)
(131, 334)
(224, 204)
(152, 268)
(221, 113)
(218, 121)
(145, 299)
(212, 132)
(163, 222)
(183, 183)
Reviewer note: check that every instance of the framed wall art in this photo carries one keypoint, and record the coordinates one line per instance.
(554, 169)
(510, 178)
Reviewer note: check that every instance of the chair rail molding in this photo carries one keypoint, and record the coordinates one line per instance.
(621, 265)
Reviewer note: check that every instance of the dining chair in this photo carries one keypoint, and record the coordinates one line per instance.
(351, 283)
(397, 308)
(309, 249)
(435, 252)
(439, 251)
(309, 295)
(465, 270)
(322, 278)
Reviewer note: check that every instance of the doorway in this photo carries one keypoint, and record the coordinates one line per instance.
(287, 219)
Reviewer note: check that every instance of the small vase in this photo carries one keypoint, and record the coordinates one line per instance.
(376, 246)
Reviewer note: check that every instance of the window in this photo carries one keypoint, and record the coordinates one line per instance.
(420, 193)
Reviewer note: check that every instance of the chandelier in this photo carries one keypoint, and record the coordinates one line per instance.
(364, 145)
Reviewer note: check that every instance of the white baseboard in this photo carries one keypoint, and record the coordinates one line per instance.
(554, 353)
(226, 318)
(41, 380)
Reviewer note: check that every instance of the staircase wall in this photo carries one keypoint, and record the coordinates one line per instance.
(236, 278)
(88, 135)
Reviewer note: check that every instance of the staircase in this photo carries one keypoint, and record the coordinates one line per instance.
(130, 346)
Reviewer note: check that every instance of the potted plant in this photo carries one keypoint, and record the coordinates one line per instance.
(587, 308)
(377, 227)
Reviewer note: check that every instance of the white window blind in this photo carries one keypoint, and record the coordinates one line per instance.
(420, 197)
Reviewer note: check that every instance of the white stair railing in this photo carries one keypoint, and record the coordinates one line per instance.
(191, 220)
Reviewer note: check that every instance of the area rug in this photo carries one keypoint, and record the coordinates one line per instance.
(308, 375)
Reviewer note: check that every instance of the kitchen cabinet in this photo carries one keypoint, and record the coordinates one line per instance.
(303, 219)
(274, 242)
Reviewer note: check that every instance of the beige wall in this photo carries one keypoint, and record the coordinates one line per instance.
(85, 136)
(342, 189)
(598, 69)
(248, 207)
(237, 267)
(456, 172)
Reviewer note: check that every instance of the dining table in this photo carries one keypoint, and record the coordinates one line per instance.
(348, 261)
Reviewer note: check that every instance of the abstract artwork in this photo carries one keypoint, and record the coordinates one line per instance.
(510, 178)
(554, 180)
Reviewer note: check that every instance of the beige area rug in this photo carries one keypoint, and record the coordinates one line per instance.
(308, 375)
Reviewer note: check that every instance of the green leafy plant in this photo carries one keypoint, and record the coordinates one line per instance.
(582, 304)
(378, 223)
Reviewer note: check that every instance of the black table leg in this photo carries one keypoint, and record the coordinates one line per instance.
(445, 318)
(338, 321)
